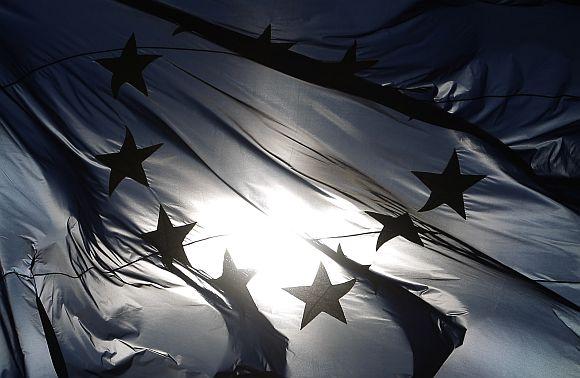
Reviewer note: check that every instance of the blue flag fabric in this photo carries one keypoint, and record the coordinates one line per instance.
(335, 189)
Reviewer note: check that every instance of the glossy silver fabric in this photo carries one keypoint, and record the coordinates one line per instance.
(279, 171)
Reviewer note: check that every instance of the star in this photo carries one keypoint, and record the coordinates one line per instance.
(359, 270)
(321, 296)
(232, 278)
(393, 227)
(128, 68)
(448, 187)
(265, 39)
(127, 162)
(168, 240)
(343, 260)
(351, 65)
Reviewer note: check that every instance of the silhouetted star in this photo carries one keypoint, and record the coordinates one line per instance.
(342, 259)
(322, 296)
(127, 162)
(359, 270)
(448, 187)
(232, 278)
(350, 64)
(168, 239)
(393, 227)
(128, 68)
(263, 42)
(266, 39)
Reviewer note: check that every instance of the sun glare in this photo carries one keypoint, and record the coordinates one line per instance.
(268, 244)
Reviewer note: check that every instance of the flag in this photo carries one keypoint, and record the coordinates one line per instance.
(336, 189)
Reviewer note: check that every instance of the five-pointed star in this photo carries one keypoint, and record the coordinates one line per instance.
(127, 162)
(393, 227)
(350, 264)
(349, 62)
(266, 40)
(232, 278)
(359, 270)
(448, 187)
(321, 296)
(128, 68)
(168, 239)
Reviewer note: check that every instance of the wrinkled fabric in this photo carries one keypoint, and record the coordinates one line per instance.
(279, 171)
